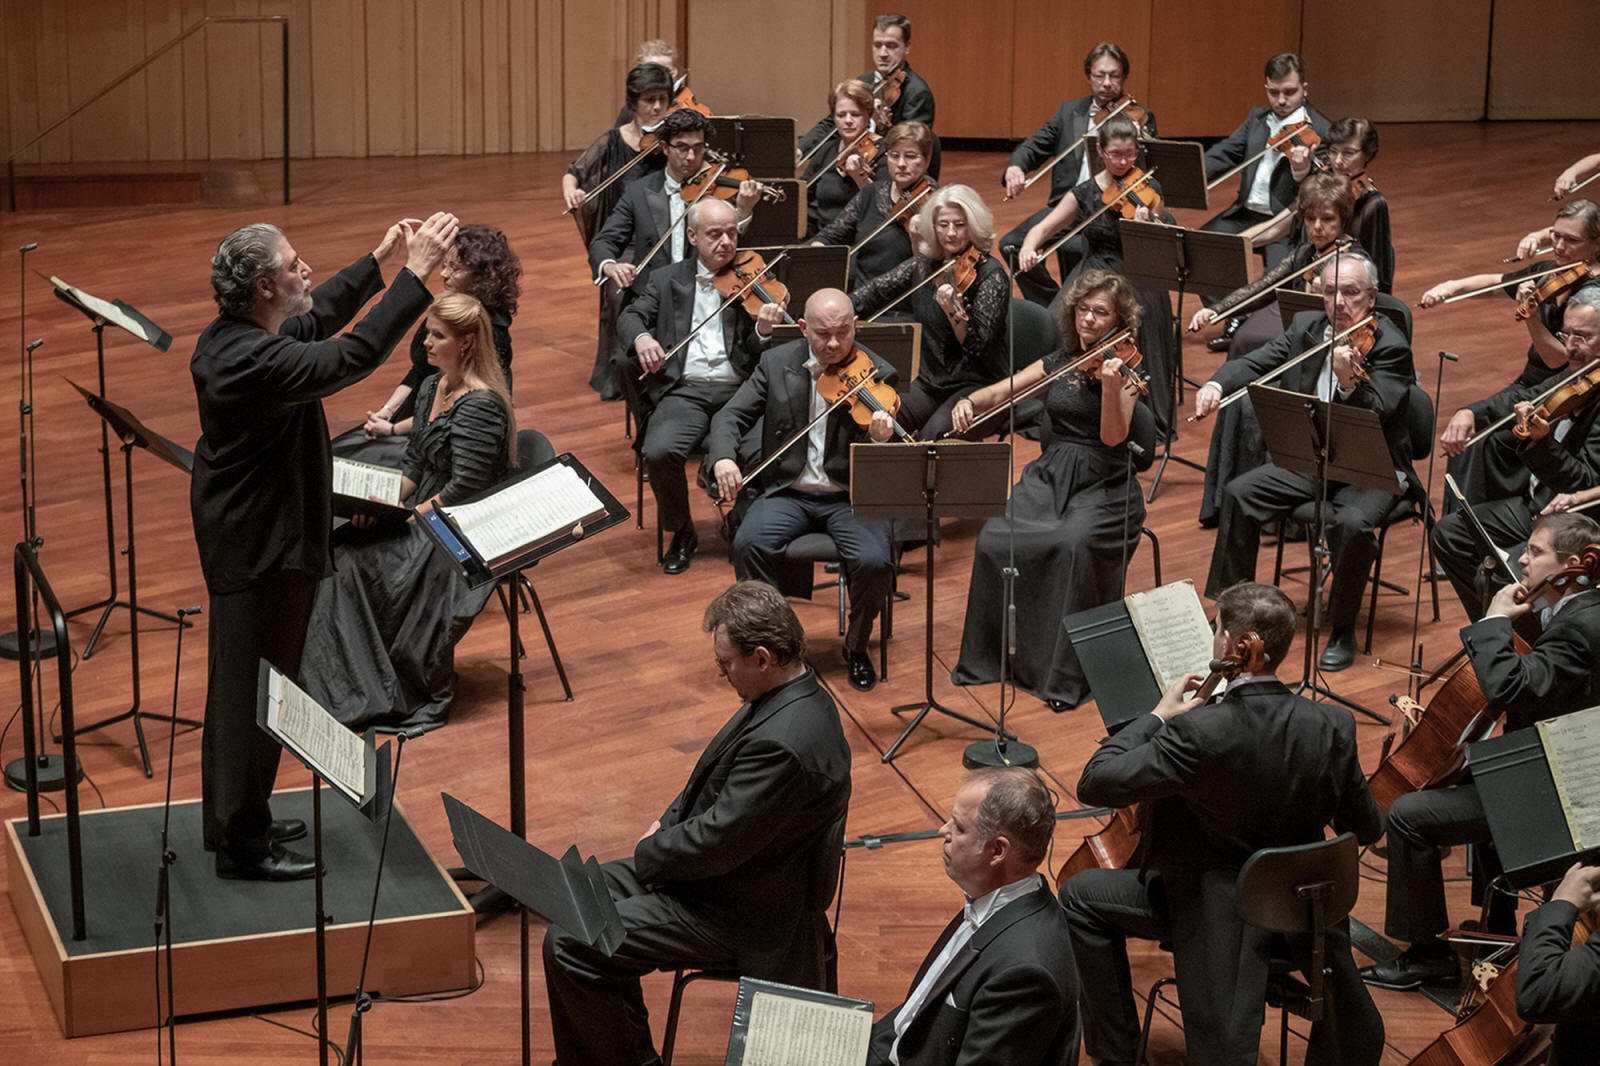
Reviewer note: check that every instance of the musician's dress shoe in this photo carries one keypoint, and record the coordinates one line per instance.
(278, 864)
(862, 675)
(1413, 969)
(284, 830)
(680, 551)
(1341, 650)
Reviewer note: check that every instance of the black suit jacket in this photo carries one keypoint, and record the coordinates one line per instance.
(1567, 465)
(1559, 983)
(1556, 677)
(758, 829)
(636, 223)
(1069, 123)
(1010, 996)
(1248, 140)
(778, 393)
(665, 310)
(261, 496)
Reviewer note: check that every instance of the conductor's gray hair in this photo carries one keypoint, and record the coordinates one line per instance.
(1368, 266)
(244, 256)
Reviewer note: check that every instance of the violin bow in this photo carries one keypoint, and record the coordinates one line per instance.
(1535, 400)
(1503, 284)
(1272, 146)
(948, 265)
(894, 216)
(1536, 253)
(1024, 395)
(843, 151)
(615, 175)
(1049, 164)
(1341, 247)
(800, 164)
(1575, 188)
(1331, 342)
(1046, 253)
(721, 307)
(809, 426)
(666, 234)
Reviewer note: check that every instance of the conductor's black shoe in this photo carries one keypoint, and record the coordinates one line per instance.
(1412, 969)
(284, 830)
(862, 675)
(1341, 650)
(680, 551)
(278, 864)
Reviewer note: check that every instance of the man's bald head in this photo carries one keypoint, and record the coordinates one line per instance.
(829, 325)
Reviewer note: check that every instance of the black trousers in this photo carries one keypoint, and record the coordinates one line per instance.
(1508, 523)
(1037, 285)
(1220, 964)
(925, 411)
(1419, 825)
(1351, 516)
(676, 427)
(239, 759)
(597, 1011)
(776, 519)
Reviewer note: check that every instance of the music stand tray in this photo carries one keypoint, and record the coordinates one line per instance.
(1183, 172)
(1208, 264)
(1358, 452)
(763, 146)
(783, 222)
(805, 269)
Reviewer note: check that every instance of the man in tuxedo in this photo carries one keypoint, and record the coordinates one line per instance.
(999, 985)
(891, 47)
(1259, 768)
(739, 871)
(261, 494)
(1350, 288)
(1557, 982)
(1564, 457)
(679, 395)
(1106, 66)
(1556, 677)
(807, 489)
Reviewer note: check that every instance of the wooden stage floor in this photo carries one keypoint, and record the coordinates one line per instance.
(647, 694)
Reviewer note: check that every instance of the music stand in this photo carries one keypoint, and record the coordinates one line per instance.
(1183, 172)
(101, 313)
(1172, 257)
(1325, 442)
(780, 223)
(927, 480)
(1534, 836)
(135, 434)
(806, 269)
(763, 146)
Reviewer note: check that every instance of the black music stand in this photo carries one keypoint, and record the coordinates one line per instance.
(928, 480)
(763, 146)
(806, 269)
(1325, 442)
(780, 223)
(1183, 172)
(1114, 662)
(1172, 257)
(101, 313)
(135, 434)
(1532, 835)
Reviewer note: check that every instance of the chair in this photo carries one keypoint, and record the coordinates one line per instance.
(1034, 335)
(812, 548)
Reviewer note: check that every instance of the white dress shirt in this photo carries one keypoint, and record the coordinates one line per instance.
(973, 915)
(814, 476)
(705, 359)
(1328, 386)
(675, 211)
(1083, 168)
(1260, 198)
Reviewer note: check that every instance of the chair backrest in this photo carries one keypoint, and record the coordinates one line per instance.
(1034, 333)
(533, 449)
(1419, 421)
(1397, 311)
(1274, 887)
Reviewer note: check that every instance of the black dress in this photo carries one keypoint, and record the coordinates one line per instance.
(1076, 511)
(862, 215)
(380, 646)
(831, 192)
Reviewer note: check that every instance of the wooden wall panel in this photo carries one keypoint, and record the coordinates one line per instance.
(966, 61)
(1050, 39)
(337, 61)
(1206, 59)
(436, 78)
(734, 72)
(1542, 60)
(391, 78)
(163, 111)
(1411, 71)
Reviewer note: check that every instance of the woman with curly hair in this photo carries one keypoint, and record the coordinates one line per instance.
(1074, 515)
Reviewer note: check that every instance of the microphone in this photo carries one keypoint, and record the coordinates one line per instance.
(1135, 449)
(184, 612)
(30, 246)
(34, 344)
(1452, 356)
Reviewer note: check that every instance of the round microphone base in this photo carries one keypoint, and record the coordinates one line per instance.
(986, 755)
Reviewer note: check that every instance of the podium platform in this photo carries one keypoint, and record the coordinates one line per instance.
(236, 944)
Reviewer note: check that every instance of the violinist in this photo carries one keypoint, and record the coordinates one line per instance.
(1106, 66)
(1076, 511)
(877, 223)
(1258, 768)
(662, 54)
(1563, 458)
(1267, 186)
(960, 293)
(807, 488)
(689, 373)
(839, 170)
(899, 93)
(1556, 677)
(1557, 981)
(1379, 380)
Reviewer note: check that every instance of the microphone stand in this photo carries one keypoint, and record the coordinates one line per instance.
(1413, 682)
(163, 922)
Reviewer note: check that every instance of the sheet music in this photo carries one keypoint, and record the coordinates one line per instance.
(1472, 516)
(551, 501)
(108, 311)
(366, 481)
(785, 1031)
(1173, 629)
(316, 736)
(1572, 746)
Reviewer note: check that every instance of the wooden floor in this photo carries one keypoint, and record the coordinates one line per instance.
(647, 694)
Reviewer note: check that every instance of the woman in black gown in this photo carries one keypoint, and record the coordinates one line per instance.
(1074, 515)
(837, 172)
(905, 149)
(380, 645)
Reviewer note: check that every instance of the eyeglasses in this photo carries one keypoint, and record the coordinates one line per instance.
(1567, 340)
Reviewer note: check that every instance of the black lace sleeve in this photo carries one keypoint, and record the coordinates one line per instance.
(1286, 266)
(987, 302)
(883, 289)
(842, 229)
(478, 429)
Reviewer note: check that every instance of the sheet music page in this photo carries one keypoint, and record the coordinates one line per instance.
(1173, 629)
(1572, 746)
(365, 481)
(317, 736)
(108, 311)
(551, 501)
(795, 1032)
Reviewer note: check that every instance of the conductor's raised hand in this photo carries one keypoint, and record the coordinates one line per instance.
(394, 240)
(1176, 701)
(729, 480)
(427, 244)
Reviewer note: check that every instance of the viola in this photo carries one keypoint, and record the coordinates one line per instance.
(743, 277)
(1565, 402)
(722, 182)
(1553, 286)
(837, 381)
(1125, 195)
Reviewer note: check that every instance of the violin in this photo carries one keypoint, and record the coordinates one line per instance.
(1125, 195)
(722, 182)
(840, 380)
(1295, 135)
(864, 148)
(1130, 357)
(1564, 402)
(1361, 339)
(1553, 286)
(742, 277)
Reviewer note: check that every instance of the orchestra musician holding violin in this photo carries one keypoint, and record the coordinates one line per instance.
(695, 346)
(1349, 355)
(662, 54)
(1558, 969)
(1557, 676)
(838, 170)
(1075, 514)
(877, 224)
(961, 295)
(899, 93)
(1200, 773)
(1064, 139)
(798, 394)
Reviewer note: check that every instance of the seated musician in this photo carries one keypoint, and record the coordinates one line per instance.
(1201, 774)
(865, 222)
(737, 874)
(1106, 66)
(1074, 516)
(839, 170)
(1269, 491)
(679, 395)
(1266, 186)
(807, 489)
(1563, 458)
(999, 985)
(648, 91)
(1558, 981)
(912, 99)
(964, 329)
(381, 640)
(662, 54)
(1556, 677)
